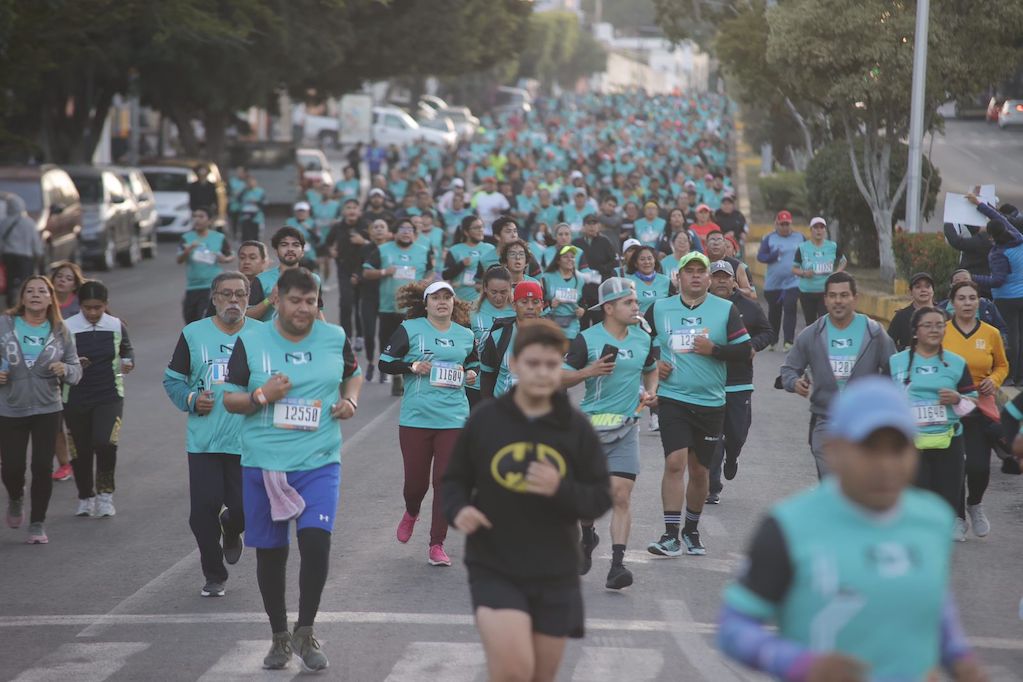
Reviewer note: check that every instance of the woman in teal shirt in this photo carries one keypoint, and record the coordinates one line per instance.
(563, 291)
(813, 263)
(643, 269)
(494, 304)
(562, 238)
(937, 382)
(462, 265)
(436, 352)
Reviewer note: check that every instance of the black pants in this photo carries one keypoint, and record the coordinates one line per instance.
(738, 418)
(14, 435)
(781, 301)
(369, 305)
(214, 482)
(19, 268)
(271, 574)
(94, 431)
(813, 306)
(195, 304)
(1012, 311)
(346, 297)
(389, 323)
(979, 437)
(941, 471)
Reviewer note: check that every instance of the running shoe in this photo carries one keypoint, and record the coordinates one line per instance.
(37, 534)
(731, 467)
(105, 506)
(714, 498)
(280, 652)
(212, 589)
(959, 532)
(232, 542)
(62, 473)
(86, 507)
(438, 557)
(370, 371)
(618, 577)
(587, 556)
(668, 545)
(15, 513)
(405, 527)
(978, 520)
(693, 544)
(655, 422)
(308, 650)
(788, 346)
(359, 344)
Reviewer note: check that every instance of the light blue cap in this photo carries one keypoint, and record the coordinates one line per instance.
(867, 405)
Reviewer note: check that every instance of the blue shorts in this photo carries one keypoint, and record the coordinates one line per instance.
(319, 488)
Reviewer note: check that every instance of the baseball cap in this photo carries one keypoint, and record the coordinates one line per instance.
(728, 196)
(528, 290)
(867, 405)
(458, 182)
(691, 256)
(919, 276)
(611, 289)
(650, 203)
(817, 220)
(629, 243)
(376, 192)
(574, 175)
(703, 207)
(689, 184)
(435, 287)
(302, 206)
(568, 248)
(722, 266)
(783, 217)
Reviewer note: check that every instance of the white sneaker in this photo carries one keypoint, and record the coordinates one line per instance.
(655, 423)
(978, 520)
(86, 507)
(959, 532)
(105, 505)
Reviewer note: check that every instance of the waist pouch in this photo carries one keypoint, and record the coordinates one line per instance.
(935, 441)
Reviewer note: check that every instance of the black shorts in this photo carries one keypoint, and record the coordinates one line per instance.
(684, 425)
(555, 606)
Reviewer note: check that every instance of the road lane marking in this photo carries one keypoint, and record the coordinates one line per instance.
(93, 662)
(700, 653)
(245, 662)
(448, 661)
(613, 663)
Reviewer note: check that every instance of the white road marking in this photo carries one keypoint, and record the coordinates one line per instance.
(448, 661)
(245, 662)
(92, 662)
(610, 663)
(700, 653)
(639, 556)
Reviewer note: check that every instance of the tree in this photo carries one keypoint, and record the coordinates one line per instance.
(558, 50)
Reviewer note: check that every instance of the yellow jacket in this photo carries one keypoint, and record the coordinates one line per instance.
(982, 349)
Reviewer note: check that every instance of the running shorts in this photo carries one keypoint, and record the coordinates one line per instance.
(684, 425)
(318, 487)
(554, 606)
(621, 446)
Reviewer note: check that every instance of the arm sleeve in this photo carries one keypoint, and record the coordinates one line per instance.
(652, 356)
(798, 258)
(391, 358)
(954, 645)
(225, 247)
(238, 372)
(452, 268)
(586, 494)
(578, 353)
(175, 378)
(373, 259)
(768, 574)
(459, 476)
(738, 345)
(747, 641)
(126, 351)
(966, 385)
(351, 362)
(649, 317)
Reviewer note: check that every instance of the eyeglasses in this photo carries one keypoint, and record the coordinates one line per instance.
(240, 294)
(516, 254)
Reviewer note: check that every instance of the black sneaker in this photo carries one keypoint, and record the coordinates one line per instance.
(587, 560)
(714, 498)
(731, 468)
(212, 589)
(618, 577)
(692, 542)
(232, 543)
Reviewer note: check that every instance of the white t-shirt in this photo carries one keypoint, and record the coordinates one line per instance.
(490, 207)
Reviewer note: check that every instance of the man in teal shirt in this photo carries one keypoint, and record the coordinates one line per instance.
(203, 251)
(617, 361)
(855, 572)
(289, 244)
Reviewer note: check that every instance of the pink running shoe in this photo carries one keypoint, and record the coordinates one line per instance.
(438, 557)
(404, 532)
(15, 513)
(36, 534)
(63, 473)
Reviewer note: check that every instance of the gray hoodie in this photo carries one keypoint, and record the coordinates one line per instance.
(35, 390)
(811, 350)
(18, 233)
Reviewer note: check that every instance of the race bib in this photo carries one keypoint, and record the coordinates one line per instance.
(297, 414)
(204, 255)
(446, 375)
(930, 414)
(823, 268)
(250, 208)
(566, 295)
(841, 367)
(218, 371)
(648, 236)
(469, 277)
(405, 272)
(684, 340)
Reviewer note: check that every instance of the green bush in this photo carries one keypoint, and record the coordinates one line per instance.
(784, 191)
(925, 252)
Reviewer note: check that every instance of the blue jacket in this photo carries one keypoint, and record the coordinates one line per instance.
(779, 253)
(1006, 260)
(986, 312)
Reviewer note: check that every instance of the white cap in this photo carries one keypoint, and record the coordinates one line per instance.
(435, 287)
(575, 175)
(302, 206)
(458, 182)
(818, 220)
(376, 191)
(629, 243)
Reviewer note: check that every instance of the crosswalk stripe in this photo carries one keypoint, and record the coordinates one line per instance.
(245, 662)
(93, 662)
(614, 663)
(448, 661)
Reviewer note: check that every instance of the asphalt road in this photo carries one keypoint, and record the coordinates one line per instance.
(118, 599)
(973, 152)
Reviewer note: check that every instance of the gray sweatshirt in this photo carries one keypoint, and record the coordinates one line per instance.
(811, 351)
(19, 235)
(35, 390)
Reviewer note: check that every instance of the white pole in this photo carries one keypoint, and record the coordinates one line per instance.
(916, 116)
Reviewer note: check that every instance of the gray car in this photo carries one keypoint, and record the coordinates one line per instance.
(110, 229)
(145, 205)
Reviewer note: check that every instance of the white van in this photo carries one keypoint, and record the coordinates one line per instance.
(392, 125)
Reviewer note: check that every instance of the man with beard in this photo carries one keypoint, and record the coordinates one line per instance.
(289, 244)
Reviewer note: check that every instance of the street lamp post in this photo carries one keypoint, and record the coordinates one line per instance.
(916, 116)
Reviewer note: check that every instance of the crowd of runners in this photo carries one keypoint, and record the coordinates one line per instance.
(593, 242)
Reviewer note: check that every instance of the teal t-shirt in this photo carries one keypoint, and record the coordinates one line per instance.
(32, 339)
(574, 216)
(202, 364)
(925, 378)
(483, 322)
(695, 379)
(649, 231)
(844, 346)
(202, 266)
(570, 293)
(493, 362)
(347, 189)
(648, 292)
(547, 214)
(434, 241)
(411, 266)
(869, 587)
(821, 260)
(437, 400)
(296, 433)
(465, 282)
(616, 394)
(308, 229)
(268, 280)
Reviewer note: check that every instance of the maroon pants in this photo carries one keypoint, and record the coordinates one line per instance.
(423, 449)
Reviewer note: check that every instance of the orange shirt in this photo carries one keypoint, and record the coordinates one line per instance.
(982, 349)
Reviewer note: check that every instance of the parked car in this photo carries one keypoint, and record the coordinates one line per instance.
(392, 125)
(512, 100)
(170, 189)
(275, 167)
(145, 203)
(110, 231)
(433, 102)
(438, 122)
(994, 109)
(1011, 114)
(51, 199)
(465, 123)
(184, 166)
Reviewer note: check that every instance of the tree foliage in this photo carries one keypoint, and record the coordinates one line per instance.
(558, 50)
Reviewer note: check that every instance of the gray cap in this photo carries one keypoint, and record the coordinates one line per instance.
(612, 289)
(722, 266)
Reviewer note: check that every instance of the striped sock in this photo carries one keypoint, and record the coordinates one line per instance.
(672, 520)
(692, 519)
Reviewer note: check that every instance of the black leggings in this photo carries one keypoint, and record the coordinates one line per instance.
(941, 471)
(369, 305)
(94, 433)
(271, 574)
(979, 437)
(214, 482)
(1012, 311)
(781, 301)
(813, 306)
(14, 435)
